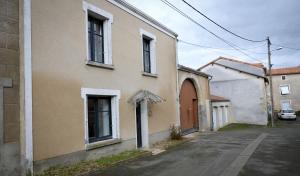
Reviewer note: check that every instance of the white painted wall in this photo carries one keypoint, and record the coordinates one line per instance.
(247, 93)
(221, 114)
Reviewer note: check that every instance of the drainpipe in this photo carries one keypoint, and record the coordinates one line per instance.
(177, 86)
(26, 89)
(210, 108)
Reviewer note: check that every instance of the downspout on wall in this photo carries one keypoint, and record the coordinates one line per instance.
(177, 87)
(26, 88)
(210, 106)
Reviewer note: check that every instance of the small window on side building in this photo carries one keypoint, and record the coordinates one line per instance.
(283, 77)
(285, 89)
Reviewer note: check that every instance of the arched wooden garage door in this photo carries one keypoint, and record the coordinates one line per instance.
(188, 107)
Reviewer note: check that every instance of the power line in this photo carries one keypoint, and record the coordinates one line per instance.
(237, 48)
(210, 47)
(227, 30)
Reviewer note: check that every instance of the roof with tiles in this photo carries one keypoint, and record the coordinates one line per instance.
(286, 71)
(215, 98)
(256, 69)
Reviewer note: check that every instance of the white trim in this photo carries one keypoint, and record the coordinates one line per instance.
(141, 18)
(152, 49)
(116, 95)
(144, 124)
(284, 85)
(27, 86)
(107, 30)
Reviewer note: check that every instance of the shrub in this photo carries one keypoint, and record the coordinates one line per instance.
(298, 113)
(175, 132)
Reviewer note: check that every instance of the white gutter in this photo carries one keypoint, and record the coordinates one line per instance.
(27, 88)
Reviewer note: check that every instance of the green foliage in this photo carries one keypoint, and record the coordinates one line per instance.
(298, 113)
(175, 133)
(85, 167)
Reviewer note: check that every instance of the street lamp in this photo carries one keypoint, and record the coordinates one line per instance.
(270, 78)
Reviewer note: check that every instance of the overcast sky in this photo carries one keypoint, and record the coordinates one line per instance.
(254, 19)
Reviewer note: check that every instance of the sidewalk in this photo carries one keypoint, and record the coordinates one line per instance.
(208, 155)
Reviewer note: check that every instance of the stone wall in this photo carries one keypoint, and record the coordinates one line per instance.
(9, 66)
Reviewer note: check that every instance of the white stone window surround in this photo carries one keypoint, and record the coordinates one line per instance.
(115, 117)
(152, 37)
(107, 30)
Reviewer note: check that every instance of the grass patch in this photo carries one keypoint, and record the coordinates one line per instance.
(239, 126)
(85, 167)
(298, 113)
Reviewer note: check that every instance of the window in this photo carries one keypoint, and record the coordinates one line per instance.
(146, 55)
(285, 89)
(283, 77)
(96, 40)
(99, 118)
(98, 35)
(101, 114)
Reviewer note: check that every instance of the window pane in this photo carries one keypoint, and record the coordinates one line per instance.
(98, 49)
(91, 125)
(103, 104)
(147, 62)
(104, 124)
(91, 104)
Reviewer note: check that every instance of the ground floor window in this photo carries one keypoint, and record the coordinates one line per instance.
(99, 118)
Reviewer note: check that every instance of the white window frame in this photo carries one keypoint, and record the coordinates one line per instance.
(115, 117)
(285, 85)
(152, 37)
(107, 30)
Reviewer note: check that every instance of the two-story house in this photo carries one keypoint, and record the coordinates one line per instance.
(286, 87)
(96, 77)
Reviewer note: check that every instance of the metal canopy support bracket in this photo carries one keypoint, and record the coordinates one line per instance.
(4, 83)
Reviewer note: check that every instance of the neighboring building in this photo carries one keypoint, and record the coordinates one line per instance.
(95, 77)
(10, 139)
(286, 87)
(244, 84)
(221, 112)
(194, 103)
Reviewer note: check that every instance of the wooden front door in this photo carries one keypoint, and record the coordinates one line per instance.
(188, 107)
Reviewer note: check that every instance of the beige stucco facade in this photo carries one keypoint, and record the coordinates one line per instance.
(59, 72)
(293, 82)
(201, 83)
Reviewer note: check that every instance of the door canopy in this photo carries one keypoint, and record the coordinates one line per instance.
(145, 95)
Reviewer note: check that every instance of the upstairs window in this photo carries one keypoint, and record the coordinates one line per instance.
(98, 35)
(148, 42)
(283, 77)
(96, 40)
(146, 55)
(285, 89)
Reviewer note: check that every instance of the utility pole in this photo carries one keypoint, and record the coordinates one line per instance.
(270, 79)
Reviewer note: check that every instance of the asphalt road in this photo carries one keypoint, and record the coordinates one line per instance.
(211, 154)
(278, 154)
